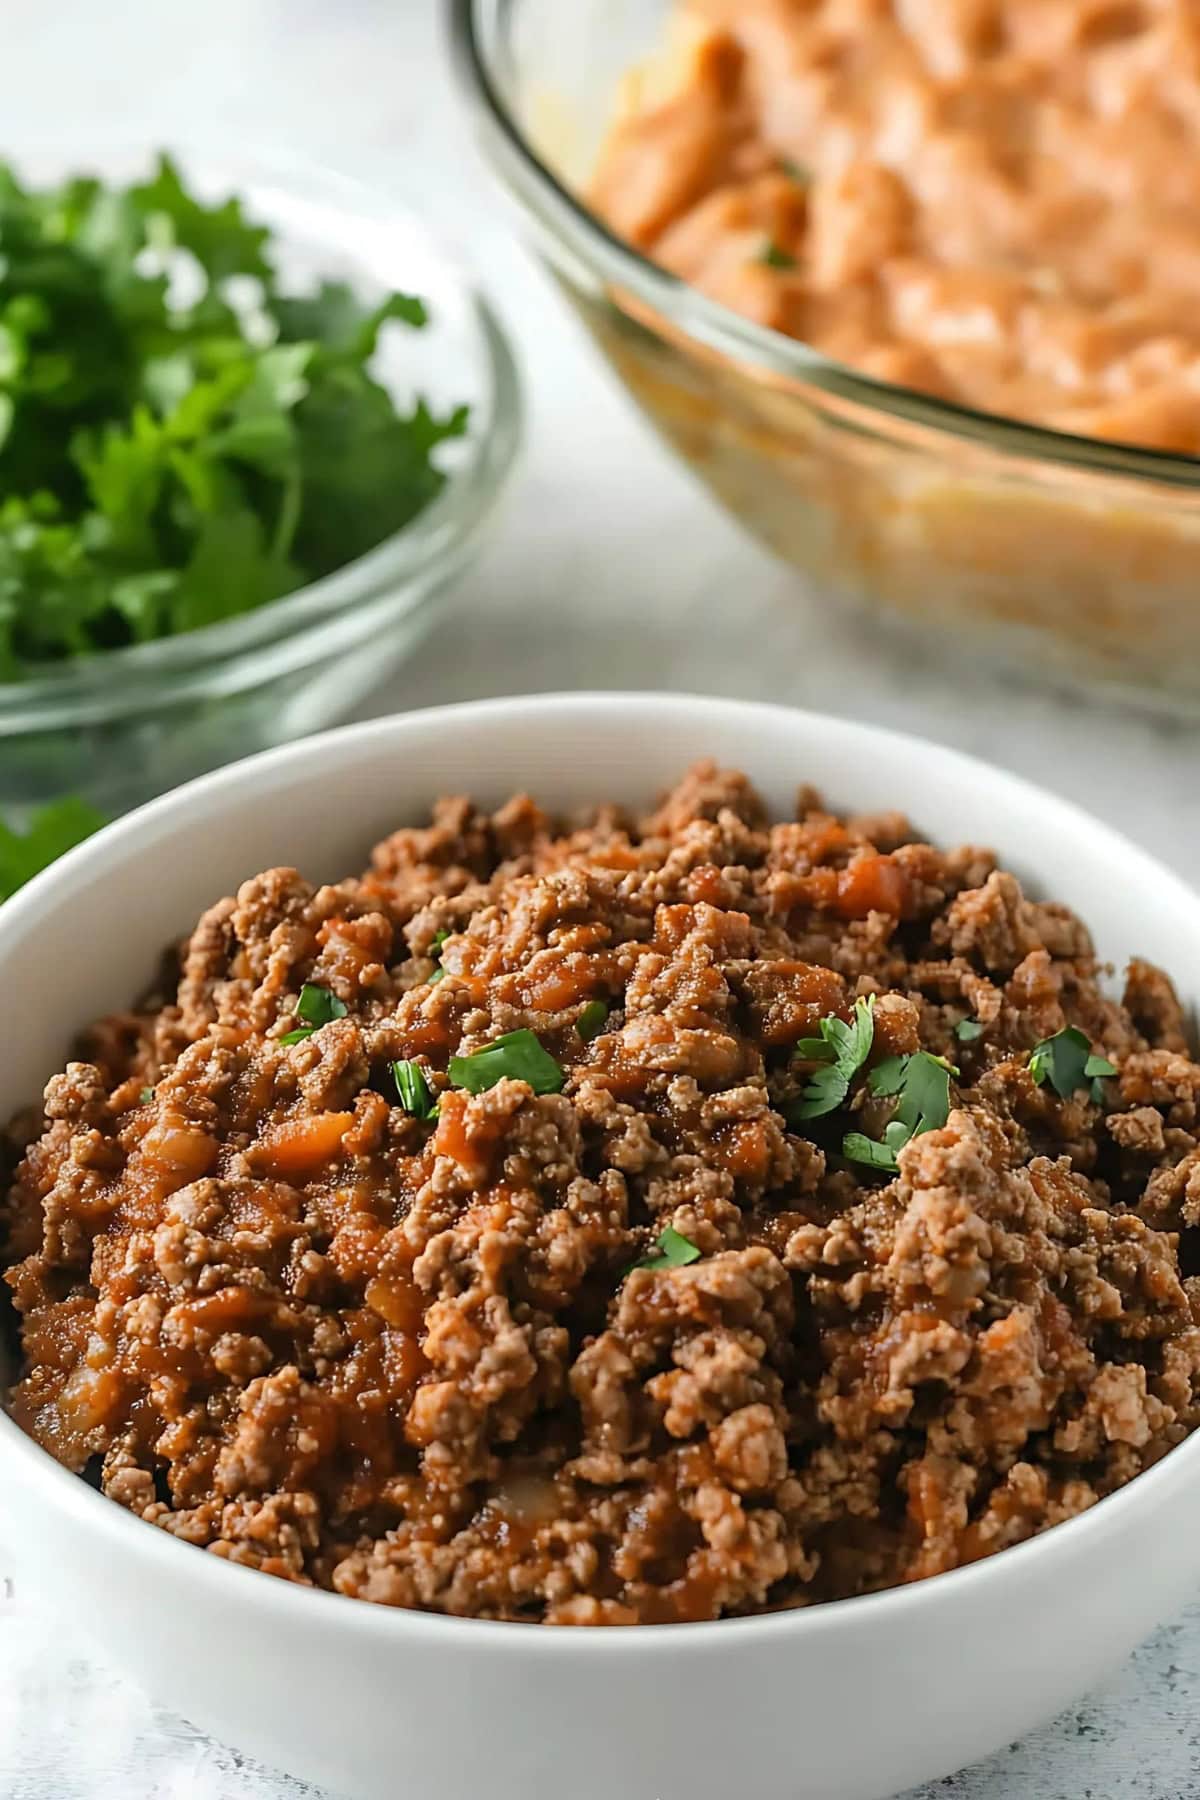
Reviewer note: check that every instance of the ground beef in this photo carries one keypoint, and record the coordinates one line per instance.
(411, 1359)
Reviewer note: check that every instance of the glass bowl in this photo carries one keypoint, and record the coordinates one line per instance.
(124, 724)
(1069, 555)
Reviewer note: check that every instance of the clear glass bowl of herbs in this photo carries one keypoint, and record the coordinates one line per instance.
(252, 421)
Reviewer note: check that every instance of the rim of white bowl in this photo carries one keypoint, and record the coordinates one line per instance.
(294, 1604)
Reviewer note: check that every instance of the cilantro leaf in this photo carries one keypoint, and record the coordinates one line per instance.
(887, 1077)
(335, 319)
(590, 1022)
(415, 1094)
(172, 452)
(922, 1082)
(860, 1148)
(517, 1055)
(1067, 1061)
(775, 257)
(967, 1030)
(221, 239)
(317, 1006)
(51, 831)
(845, 1048)
(671, 1251)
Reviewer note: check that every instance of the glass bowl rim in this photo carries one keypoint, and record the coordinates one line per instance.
(432, 537)
(475, 28)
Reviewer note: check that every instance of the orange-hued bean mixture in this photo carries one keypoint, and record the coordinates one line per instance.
(992, 201)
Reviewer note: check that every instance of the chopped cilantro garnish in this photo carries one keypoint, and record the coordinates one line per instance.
(317, 1006)
(55, 828)
(671, 1251)
(922, 1082)
(795, 170)
(887, 1077)
(182, 438)
(843, 1049)
(590, 1022)
(859, 1148)
(413, 1089)
(517, 1055)
(1067, 1061)
(435, 944)
(967, 1030)
(146, 1096)
(775, 257)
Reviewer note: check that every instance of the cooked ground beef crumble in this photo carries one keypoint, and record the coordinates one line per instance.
(277, 1314)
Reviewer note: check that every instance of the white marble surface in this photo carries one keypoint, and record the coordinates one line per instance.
(609, 570)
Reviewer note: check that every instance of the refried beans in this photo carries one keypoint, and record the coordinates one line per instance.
(620, 1221)
(991, 201)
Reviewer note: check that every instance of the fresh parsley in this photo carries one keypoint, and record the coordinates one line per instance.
(145, 1096)
(671, 1251)
(517, 1055)
(590, 1022)
(775, 257)
(413, 1089)
(921, 1082)
(182, 439)
(1067, 1061)
(843, 1049)
(316, 1006)
(51, 831)
(967, 1030)
(435, 945)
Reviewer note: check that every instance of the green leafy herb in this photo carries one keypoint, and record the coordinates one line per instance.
(181, 440)
(413, 1089)
(518, 1055)
(51, 831)
(671, 1251)
(859, 1148)
(316, 1006)
(887, 1077)
(843, 1049)
(145, 1096)
(1067, 1061)
(922, 1082)
(795, 170)
(435, 944)
(967, 1030)
(590, 1022)
(775, 257)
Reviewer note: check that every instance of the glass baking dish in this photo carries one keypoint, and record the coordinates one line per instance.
(1069, 555)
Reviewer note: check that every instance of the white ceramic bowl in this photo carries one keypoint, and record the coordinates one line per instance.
(846, 1701)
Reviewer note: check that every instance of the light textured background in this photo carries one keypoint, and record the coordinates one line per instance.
(609, 570)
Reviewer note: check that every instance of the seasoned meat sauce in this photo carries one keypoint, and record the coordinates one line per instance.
(276, 1314)
(991, 201)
